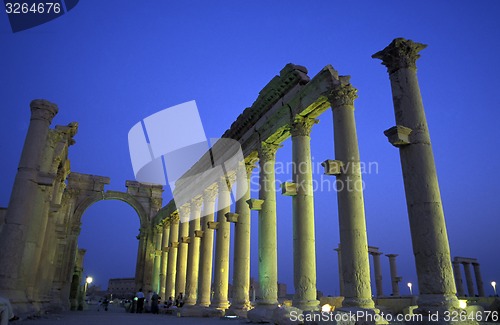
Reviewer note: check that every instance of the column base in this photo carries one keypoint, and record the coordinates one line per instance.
(222, 305)
(356, 315)
(363, 303)
(199, 311)
(262, 313)
(306, 305)
(239, 309)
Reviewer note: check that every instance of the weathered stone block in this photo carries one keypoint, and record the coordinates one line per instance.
(213, 225)
(332, 167)
(232, 217)
(398, 135)
(255, 204)
(289, 189)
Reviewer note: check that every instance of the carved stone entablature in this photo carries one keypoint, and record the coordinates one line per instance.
(398, 135)
(302, 126)
(343, 94)
(332, 167)
(400, 54)
(289, 188)
(42, 109)
(232, 217)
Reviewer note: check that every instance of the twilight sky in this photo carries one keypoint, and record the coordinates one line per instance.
(110, 64)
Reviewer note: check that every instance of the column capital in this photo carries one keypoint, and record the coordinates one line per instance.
(184, 211)
(302, 126)
(210, 193)
(267, 151)
(196, 203)
(226, 182)
(343, 94)
(42, 109)
(174, 218)
(401, 53)
(250, 166)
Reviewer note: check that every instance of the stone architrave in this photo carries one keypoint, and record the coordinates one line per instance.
(172, 256)
(304, 249)
(221, 264)
(425, 211)
(352, 224)
(193, 253)
(20, 236)
(206, 248)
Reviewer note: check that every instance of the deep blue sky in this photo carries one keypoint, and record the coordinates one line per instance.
(110, 64)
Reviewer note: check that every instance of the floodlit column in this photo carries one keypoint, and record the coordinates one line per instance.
(394, 274)
(468, 279)
(352, 224)
(304, 249)
(193, 253)
(378, 273)
(241, 273)
(158, 234)
(479, 280)
(141, 256)
(425, 211)
(182, 251)
(341, 275)
(206, 247)
(172, 256)
(458, 279)
(267, 241)
(221, 269)
(164, 258)
(17, 248)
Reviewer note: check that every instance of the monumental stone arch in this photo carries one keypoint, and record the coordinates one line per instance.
(145, 199)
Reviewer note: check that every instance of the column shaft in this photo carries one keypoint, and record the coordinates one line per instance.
(377, 269)
(164, 259)
(425, 211)
(158, 234)
(458, 279)
(352, 224)
(479, 280)
(468, 279)
(172, 256)
(341, 275)
(394, 274)
(180, 280)
(193, 254)
(206, 249)
(304, 249)
(221, 269)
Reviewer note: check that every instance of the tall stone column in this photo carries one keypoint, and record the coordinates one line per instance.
(468, 279)
(352, 224)
(267, 240)
(206, 248)
(479, 280)
(164, 258)
(16, 256)
(394, 274)
(141, 256)
(172, 256)
(180, 281)
(304, 249)
(341, 275)
(377, 269)
(194, 253)
(221, 269)
(458, 279)
(425, 211)
(241, 273)
(158, 234)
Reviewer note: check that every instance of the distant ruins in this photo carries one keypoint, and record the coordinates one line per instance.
(41, 265)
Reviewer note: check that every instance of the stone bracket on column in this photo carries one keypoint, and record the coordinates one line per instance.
(45, 179)
(332, 167)
(158, 253)
(289, 188)
(255, 204)
(232, 217)
(213, 225)
(174, 244)
(165, 249)
(186, 240)
(198, 233)
(398, 135)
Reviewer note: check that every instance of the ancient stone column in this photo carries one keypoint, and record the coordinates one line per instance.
(241, 273)
(341, 275)
(182, 251)
(352, 224)
(164, 258)
(468, 279)
(304, 249)
(458, 279)
(479, 280)
(221, 268)
(377, 269)
(267, 240)
(206, 248)
(172, 256)
(17, 260)
(157, 239)
(193, 253)
(394, 274)
(141, 256)
(425, 211)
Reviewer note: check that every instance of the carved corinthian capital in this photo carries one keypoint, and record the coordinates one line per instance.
(210, 193)
(343, 95)
(174, 218)
(401, 53)
(267, 151)
(302, 126)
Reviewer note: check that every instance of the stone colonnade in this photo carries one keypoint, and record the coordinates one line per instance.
(466, 262)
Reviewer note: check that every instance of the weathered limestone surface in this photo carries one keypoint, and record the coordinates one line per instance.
(182, 251)
(172, 256)
(193, 253)
(164, 258)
